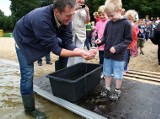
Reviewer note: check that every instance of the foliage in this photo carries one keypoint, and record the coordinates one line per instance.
(46, 2)
(6, 23)
(8, 35)
(143, 7)
(94, 5)
(21, 7)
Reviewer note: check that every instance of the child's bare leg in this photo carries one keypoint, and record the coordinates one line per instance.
(118, 84)
(107, 89)
(117, 92)
(108, 81)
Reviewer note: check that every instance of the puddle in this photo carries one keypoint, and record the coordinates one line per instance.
(10, 99)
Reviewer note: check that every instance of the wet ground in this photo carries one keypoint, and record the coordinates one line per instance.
(139, 100)
(11, 106)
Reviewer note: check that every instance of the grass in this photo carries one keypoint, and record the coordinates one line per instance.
(7, 35)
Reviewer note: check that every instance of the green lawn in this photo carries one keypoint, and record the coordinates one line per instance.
(7, 35)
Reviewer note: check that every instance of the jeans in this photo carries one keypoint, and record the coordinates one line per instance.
(101, 57)
(48, 59)
(88, 42)
(27, 73)
(158, 52)
(126, 59)
(113, 67)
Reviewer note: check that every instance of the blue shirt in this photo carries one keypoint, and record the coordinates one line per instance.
(36, 34)
(141, 33)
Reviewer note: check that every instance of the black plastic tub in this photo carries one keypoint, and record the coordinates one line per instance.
(76, 81)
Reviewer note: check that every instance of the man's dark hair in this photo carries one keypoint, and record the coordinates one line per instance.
(61, 4)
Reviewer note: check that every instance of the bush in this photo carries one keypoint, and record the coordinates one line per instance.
(7, 35)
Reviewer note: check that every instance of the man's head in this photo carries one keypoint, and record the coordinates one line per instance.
(64, 10)
(80, 2)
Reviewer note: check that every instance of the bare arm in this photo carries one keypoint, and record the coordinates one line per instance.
(87, 14)
(77, 52)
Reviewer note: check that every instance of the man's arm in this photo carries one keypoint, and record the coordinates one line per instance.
(77, 52)
(87, 14)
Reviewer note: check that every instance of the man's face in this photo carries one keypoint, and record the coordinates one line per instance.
(80, 2)
(66, 16)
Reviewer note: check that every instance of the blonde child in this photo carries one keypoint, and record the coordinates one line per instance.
(99, 29)
(141, 35)
(132, 48)
(96, 16)
(117, 36)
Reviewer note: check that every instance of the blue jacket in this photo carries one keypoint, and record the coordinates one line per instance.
(36, 34)
(141, 33)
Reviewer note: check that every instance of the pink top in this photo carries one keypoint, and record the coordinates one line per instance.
(99, 28)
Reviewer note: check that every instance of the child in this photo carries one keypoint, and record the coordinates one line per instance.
(117, 36)
(141, 36)
(132, 48)
(93, 35)
(96, 16)
(99, 29)
(88, 35)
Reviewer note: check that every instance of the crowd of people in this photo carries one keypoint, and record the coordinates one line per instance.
(65, 28)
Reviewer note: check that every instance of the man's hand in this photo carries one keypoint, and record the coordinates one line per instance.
(86, 9)
(77, 7)
(86, 55)
(93, 52)
(90, 54)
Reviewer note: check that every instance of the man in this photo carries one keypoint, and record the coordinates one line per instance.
(48, 60)
(80, 18)
(36, 35)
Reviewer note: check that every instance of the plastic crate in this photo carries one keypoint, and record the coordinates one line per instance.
(73, 82)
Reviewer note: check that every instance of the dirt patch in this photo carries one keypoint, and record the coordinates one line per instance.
(147, 62)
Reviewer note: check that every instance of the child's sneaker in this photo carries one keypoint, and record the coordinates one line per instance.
(102, 76)
(105, 92)
(115, 95)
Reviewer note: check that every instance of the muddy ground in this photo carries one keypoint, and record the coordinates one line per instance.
(147, 62)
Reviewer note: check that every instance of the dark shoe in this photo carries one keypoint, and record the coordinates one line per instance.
(49, 63)
(102, 76)
(29, 106)
(39, 64)
(115, 95)
(105, 92)
(142, 53)
(36, 114)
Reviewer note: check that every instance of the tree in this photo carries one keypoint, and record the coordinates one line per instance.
(21, 7)
(143, 7)
(94, 5)
(6, 22)
(46, 2)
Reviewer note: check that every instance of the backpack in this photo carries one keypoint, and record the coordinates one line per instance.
(152, 36)
(154, 31)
